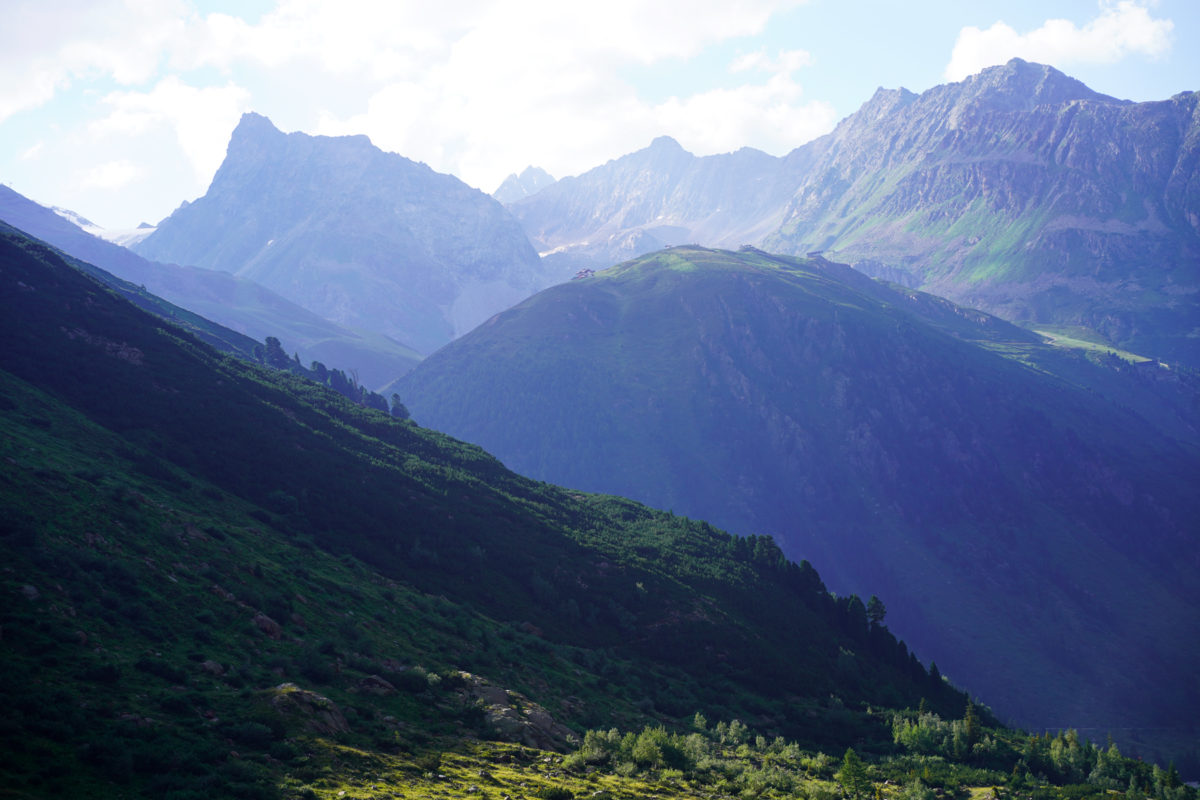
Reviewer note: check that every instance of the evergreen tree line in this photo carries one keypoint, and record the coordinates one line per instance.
(931, 758)
(272, 354)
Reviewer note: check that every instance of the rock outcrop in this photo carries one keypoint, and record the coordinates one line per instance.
(513, 717)
(314, 712)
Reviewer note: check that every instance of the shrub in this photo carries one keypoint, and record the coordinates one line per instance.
(102, 673)
(251, 734)
(411, 680)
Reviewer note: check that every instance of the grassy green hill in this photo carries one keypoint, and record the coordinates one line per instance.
(1029, 513)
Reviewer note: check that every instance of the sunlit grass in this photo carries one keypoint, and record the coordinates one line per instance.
(1082, 339)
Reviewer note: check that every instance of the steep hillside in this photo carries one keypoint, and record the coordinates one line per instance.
(1036, 535)
(236, 303)
(1022, 192)
(212, 334)
(224, 580)
(367, 239)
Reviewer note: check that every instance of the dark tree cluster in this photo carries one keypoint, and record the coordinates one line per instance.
(345, 384)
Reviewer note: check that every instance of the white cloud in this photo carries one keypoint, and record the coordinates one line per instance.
(390, 40)
(111, 175)
(200, 118)
(58, 43)
(479, 89)
(1123, 28)
(786, 61)
(547, 82)
(768, 116)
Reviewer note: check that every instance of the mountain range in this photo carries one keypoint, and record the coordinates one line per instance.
(1019, 191)
(656, 197)
(367, 239)
(224, 579)
(986, 482)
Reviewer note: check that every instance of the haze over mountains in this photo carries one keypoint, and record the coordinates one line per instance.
(366, 239)
(237, 303)
(1019, 191)
(1028, 512)
(657, 197)
(517, 187)
(987, 482)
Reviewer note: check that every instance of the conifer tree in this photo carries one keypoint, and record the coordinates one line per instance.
(876, 610)
(853, 775)
(399, 411)
(274, 355)
(971, 721)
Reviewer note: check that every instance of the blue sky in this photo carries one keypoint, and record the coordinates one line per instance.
(122, 109)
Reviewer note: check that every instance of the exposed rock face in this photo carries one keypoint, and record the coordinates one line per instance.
(212, 667)
(1022, 192)
(514, 717)
(373, 684)
(517, 187)
(368, 239)
(267, 626)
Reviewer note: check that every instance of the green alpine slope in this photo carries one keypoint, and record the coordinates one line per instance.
(1029, 512)
(222, 580)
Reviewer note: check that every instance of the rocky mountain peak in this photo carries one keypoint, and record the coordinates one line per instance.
(254, 125)
(943, 183)
(367, 239)
(885, 101)
(665, 144)
(253, 133)
(1022, 86)
(517, 187)
(256, 139)
(663, 153)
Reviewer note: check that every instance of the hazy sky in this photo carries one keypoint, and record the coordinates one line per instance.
(122, 109)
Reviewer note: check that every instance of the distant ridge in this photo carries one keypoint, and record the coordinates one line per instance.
(659, 196)
(517, 187)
